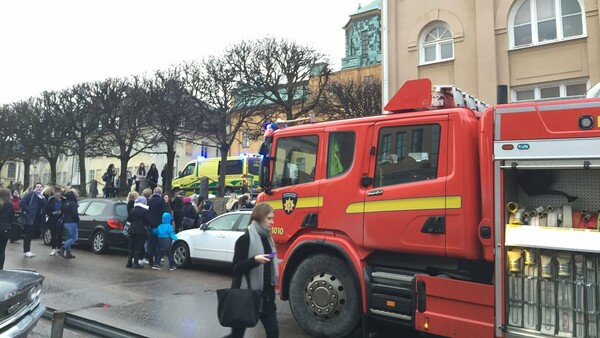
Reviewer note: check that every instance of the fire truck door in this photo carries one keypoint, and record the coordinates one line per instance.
(347, 156)
(405, 208)
(295, 194)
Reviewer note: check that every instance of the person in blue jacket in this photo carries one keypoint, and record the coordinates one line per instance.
(166, 236)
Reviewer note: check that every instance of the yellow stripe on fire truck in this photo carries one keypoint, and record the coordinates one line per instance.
(406, 204)
(303, 202)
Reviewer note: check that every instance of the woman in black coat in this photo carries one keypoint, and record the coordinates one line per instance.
(33, 207)
(70, 220)
(7, 217)
(152, 176)
(255, 257)
(188, 211)
(109, 181)
(138, 218)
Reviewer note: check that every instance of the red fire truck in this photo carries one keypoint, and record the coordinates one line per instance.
(444, 215)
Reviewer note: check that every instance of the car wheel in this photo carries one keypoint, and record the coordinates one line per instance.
(47, 236)
(99, 243)
(181, 254)
(324, 297)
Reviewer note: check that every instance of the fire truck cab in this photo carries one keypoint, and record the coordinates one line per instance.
(403, 217)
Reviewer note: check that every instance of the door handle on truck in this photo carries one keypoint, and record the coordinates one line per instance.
(434, 225)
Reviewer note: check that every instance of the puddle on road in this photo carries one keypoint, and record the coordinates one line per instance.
(183, 293)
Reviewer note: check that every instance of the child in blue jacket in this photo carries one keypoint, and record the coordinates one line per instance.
(166, 236)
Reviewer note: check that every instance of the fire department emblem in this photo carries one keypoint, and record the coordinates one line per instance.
(289, 201)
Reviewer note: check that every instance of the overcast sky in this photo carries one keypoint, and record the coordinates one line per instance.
(53, 44)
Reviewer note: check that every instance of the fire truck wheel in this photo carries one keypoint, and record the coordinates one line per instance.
(324, 297)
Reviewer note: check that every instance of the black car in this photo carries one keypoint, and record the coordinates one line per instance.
(20, 302)
(100, 225)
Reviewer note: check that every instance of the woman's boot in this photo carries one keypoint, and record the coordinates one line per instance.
(61, 252)
(69, 255)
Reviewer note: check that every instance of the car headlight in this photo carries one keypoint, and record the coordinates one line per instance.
(35, 292)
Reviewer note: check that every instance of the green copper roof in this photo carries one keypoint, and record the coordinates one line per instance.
(373, 5)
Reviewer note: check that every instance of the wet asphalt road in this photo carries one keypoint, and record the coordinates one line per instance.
(179, 303)
(151, 303)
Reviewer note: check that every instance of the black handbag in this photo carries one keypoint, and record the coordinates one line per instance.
(238, 307)
(188, 223)
(126, 228)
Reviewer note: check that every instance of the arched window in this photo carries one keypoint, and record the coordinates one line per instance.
(534, 22)
(436, 44)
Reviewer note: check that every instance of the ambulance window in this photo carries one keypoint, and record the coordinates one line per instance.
(340, 153)
(295, 160)
(234, 167)
(189, 170)
(399, 161)
(254, 165)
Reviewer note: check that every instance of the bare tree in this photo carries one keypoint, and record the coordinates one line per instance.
(54, 136)
(289, 77)
(27, 131)
(8, 149)
(77, 106)
(173, 113)
(349, 99)
(214, 85)
(125, 119)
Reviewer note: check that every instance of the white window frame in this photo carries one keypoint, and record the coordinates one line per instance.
(534, 24)
(437, 44)
(246, 139)
(12, 170)
(562, 85)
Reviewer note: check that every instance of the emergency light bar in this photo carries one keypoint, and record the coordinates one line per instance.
(418, 95)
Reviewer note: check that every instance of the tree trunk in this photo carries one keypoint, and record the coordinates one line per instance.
(52, 162)
(223, 172)
(169, 169)
(82, 180)
(26, 171)
(123, 176)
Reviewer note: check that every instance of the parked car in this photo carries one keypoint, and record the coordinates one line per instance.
(213, 242)
(100, 225)
(21, 305)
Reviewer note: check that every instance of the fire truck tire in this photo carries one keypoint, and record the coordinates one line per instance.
(324, 297)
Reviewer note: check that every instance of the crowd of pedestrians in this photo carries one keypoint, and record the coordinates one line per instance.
(153, 220)
(40, 208)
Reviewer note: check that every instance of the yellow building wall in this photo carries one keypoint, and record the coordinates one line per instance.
(482, 56)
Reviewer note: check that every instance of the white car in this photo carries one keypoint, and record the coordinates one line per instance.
(213, 242)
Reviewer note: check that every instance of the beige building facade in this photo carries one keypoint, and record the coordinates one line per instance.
(539, 49)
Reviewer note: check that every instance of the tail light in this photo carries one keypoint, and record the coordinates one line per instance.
(115, 224)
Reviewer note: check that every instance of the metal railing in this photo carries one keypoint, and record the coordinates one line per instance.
(63, 320)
